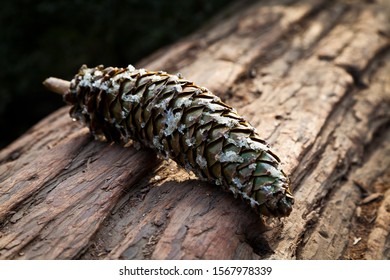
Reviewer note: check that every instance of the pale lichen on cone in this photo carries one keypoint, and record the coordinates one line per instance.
(186, 123)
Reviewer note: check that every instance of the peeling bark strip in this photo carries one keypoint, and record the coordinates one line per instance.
(322, 69)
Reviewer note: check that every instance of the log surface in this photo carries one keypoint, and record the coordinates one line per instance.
(313, 78)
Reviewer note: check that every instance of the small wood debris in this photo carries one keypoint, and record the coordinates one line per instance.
(358, 211)
(371, 198)
(356, 240)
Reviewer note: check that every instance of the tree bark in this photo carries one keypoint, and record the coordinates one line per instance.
(312, 76)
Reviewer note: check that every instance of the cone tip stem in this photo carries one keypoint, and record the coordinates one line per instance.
(56, 85)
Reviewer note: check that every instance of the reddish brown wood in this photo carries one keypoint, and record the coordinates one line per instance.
(312, 76)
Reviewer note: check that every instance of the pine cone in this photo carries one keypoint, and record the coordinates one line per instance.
(186, 123)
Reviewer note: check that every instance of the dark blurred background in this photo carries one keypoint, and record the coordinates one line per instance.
(46, 38)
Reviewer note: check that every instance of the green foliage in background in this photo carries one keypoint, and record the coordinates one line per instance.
(46, 38)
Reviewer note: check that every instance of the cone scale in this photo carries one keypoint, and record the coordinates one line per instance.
(186, 123)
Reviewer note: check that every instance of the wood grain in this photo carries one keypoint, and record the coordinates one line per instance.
(311, 76)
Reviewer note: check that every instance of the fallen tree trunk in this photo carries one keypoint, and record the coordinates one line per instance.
(312, 76)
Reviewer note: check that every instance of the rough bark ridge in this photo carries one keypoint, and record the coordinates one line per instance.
(312, 76)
